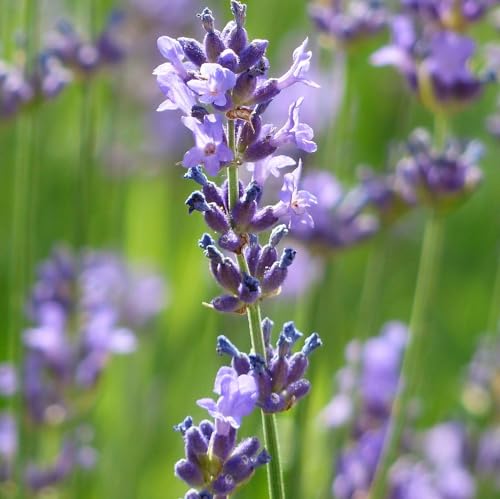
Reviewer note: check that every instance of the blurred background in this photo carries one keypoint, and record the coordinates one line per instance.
(92, 165)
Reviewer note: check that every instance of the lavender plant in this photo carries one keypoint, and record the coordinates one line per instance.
(65, 57)
(82, 309)
(222, 89)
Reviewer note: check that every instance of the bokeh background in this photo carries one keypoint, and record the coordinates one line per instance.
(96, 167)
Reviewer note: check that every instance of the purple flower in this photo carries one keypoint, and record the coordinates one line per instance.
(179, 96)
(238, 396)
(8, 379)
(213, 83)
(295, 132)
(268, 166)
(294, 204)
(299, 68)
(171, 49)
(210, 150)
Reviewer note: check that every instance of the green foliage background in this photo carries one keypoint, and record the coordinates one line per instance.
(42, 156)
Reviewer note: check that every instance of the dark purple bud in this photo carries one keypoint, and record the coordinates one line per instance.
(273, 403)
(312, 343)
(246, 83)
(297, 366)
(240, 467)
(231, 241)
(206, 428)
(252, 54)
(241, 364)
(195, 442)
(213, 253)
(223, 484)
(263, 458)
(277, 234)
(196, 202)
(193, 50)
(206, 240)
(216, 219)
(249, 289)
(259, 150)
(263, 220)
(298, 389)
(229, 60)
(199, 112)
(287, 257)
(214, 45)
(189, 472)
(184, 426)
(268, 256)
(242, 213)
(250, 132)
(274, 278)
(247, 447)
(266, 92)
(267, 326)
(224, 346)
(213, 194)
(226, 303)
(279, 373)
(196, 173)
(192, 494)
(235, 34)
(258, 363)
(229, 275)
(222, 445)
(252, 253)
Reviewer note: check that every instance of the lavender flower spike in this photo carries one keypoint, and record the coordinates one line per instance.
(238, 396)
(293, 203)
(299, 68)
(295, 132)
(210, 150)
(213, 84)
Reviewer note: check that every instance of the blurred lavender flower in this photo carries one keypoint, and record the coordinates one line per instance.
(348, 23)
(435, 65)
(451, 15)
(339, 220)
(440, 178)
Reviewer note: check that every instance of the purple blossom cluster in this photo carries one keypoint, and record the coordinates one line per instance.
(434, 59)
(450, 460)
(348, 23)
(222, 89)
(65, 57)
(280, 376)
(81, 309)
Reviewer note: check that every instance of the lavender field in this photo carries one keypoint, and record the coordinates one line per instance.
(250, 250)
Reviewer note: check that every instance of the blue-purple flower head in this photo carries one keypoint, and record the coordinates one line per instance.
(456, 16)
(350, 23)
(441, 178)
(339, 219)
(435, 65)
(226, 74)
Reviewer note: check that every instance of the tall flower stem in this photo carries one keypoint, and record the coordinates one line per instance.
(275, 481)
(427, 273)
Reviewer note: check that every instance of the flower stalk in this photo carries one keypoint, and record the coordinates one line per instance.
(274, 469)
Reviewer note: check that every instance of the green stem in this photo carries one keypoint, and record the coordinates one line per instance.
(275, 481)
(427, 274)
(493, 326)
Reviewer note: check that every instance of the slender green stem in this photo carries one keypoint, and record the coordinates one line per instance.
(493, 326)
(275, 481)
(427, 274)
